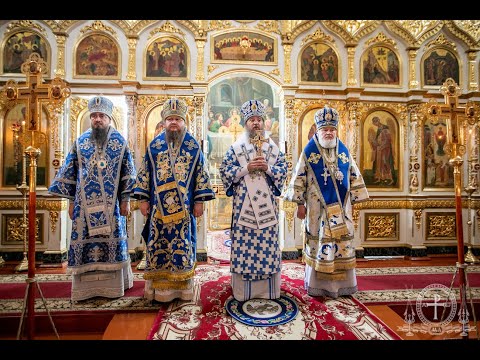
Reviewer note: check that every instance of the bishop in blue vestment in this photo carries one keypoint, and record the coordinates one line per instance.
(172, 186)
(97, 177)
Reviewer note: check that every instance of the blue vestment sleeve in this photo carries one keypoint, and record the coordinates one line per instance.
(65, 182)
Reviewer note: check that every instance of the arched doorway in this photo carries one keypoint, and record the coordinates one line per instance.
(223, 126)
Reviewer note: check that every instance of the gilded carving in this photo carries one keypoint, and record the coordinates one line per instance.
(53, 113)
(201, 51)
(24, 24)
(132, 46)
(351, 80)
(289, 106)
(381, 227)
(211, 68)
(60, 25)
(414, 32)
(275, 71)
(351, 30)
(54, 205)
(219, 25)
(412, 204)
(291, 29)
(317, 35)
(60, 69)
(413, 146)
(133, 28)
(12, 230)
(412, 71)
(77, 105)
(53, 220)
(472, 71)
(418, 217)
(287, 72)
(97, 25)
(441, 40)
(270, 26)
(195, 26)
(466, 30)
(167, 27)
(380, 38)
(198, 102)
(441, 226)
(289, 208)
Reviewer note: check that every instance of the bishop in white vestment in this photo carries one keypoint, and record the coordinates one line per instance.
(325, 185)
(253, 171)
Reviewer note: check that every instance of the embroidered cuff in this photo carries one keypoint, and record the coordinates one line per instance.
(269, 171)
(241, 173)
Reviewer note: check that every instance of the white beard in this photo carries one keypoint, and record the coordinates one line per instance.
(327, 144)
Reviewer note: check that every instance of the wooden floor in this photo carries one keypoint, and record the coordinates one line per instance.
(136, 326)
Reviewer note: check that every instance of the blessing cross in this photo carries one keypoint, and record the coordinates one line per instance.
(258, 141)
(457, 115)
(35, 91)
(451, 91)
(32, 94)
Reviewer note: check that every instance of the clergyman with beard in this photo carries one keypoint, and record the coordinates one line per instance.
(253, 171)
(172, 185)
(97, 177)
(325, 185)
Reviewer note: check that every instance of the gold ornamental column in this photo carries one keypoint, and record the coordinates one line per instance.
(412, 70)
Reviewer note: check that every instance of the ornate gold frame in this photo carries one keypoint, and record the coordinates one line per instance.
(244, 31)
(381, 233)
(299, 60)
(422, 68)
(188, 57)
(74, 58)
(22, 29)
(400, 67)
(398, 148)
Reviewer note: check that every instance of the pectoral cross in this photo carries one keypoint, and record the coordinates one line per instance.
(325, 175)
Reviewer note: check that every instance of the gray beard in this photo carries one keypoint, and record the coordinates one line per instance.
(174, 137)
(99, 136)
(327, 144)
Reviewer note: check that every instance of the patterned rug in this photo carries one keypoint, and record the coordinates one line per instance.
(206, 318)
(398, 285)
(218, 247)
(56, 289)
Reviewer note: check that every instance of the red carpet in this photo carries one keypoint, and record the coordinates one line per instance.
(205, 317)
(218, 247)
(56, 289)
(398, 285)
